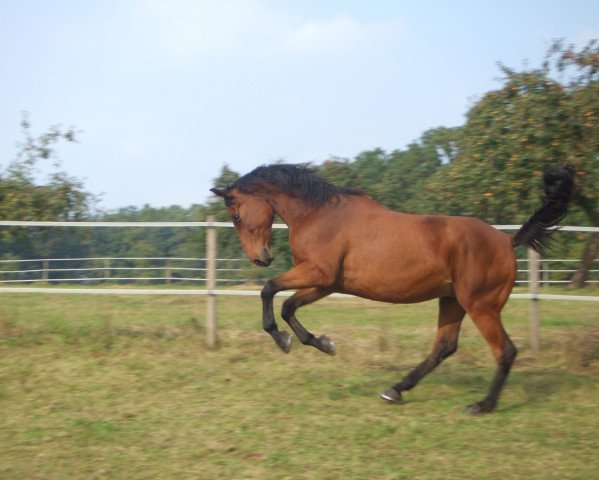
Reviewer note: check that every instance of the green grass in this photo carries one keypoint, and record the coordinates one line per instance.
(122, 387)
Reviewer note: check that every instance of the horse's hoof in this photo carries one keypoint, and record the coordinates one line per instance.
(285, 342)
(391, 396)
(327, 345)
(479, 408)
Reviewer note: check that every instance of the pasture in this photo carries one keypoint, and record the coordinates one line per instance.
(122, 387)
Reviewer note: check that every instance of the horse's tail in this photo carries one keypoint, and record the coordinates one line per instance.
(559, 182)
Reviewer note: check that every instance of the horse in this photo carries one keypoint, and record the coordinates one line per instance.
(343, 241)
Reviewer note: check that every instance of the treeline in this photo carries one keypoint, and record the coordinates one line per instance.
(491, 167)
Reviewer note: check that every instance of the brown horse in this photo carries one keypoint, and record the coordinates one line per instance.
(343, 241)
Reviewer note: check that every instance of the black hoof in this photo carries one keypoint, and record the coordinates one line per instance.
(326, 345)
(479, 408)
(391, 396)
(284, 341)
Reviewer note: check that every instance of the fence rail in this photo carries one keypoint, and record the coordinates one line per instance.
(209, 223)
(534, 272)
(135, 270)
(192, 270)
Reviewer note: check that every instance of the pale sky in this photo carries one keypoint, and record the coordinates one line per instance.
(166, 92)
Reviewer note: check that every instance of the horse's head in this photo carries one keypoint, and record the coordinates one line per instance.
(252, 216)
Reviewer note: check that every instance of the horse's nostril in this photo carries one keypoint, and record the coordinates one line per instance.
(263, 263)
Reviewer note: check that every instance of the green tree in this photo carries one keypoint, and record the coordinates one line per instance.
(511, 136)
(539, 117)
(25, 194)
(584, 138)
(514, 134)
(410, 169)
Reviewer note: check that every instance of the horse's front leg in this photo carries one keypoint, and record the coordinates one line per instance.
(282, 339)
(304, 297)
(303, 276)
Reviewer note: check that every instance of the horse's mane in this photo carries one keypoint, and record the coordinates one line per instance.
(299, 180)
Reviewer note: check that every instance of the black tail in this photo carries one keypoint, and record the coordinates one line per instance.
(559, 182)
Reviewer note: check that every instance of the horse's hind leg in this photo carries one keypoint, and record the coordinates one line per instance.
(504, 351)
(451, 315)
(300, 298)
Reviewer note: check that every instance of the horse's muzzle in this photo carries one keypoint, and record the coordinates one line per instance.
(263, 263)
(264, 260)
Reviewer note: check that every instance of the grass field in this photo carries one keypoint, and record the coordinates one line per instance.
(122, 387)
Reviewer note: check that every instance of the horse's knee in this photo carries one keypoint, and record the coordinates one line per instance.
(268, 290)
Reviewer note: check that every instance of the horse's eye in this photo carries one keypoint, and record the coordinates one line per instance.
(236, 218)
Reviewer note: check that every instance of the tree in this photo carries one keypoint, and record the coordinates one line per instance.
(395, 179)
(26, 195)
(584, 115)
(539, 117)
(23, 196)
(410, 169)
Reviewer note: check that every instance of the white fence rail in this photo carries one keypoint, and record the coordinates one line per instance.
(104, 270)
(549, 275)
(194, 271)
(188, 270)
(206, 271)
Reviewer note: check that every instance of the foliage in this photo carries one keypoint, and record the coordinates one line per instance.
(26, 195)
(395, 179)
(512, 135)
(22, 195)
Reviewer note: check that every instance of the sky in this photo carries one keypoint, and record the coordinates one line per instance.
(167, 92)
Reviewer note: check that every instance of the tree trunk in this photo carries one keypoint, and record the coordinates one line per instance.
(591, 250)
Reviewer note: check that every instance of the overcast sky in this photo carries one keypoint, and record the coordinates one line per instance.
(166, 92)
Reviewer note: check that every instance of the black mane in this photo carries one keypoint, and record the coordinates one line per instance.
(298, 180)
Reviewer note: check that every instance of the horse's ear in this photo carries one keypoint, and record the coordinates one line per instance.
(223, 193)
(220, 193)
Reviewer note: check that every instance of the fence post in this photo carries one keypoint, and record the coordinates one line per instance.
(211, 283)
(106, 269)
(168, 272)
(45, 268)
(544, 274)
(533, 287)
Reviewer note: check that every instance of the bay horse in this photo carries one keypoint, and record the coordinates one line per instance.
(343, 241)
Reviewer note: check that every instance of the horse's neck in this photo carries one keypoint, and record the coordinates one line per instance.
(290, 210)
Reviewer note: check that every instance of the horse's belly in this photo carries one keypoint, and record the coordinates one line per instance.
(401, 296)
(398, 285)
